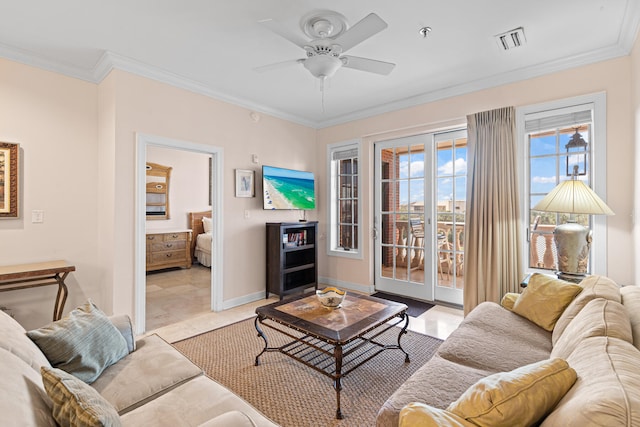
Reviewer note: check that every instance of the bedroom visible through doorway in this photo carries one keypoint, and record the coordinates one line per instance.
(179, 292)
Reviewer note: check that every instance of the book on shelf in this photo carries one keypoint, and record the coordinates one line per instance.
(291, 240)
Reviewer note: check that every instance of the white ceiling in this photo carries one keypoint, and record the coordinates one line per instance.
(213, 46)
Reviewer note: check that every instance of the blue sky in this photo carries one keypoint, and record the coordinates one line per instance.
(543, 169)
(414, 167)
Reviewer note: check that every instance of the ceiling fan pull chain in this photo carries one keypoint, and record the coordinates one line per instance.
(322, 92)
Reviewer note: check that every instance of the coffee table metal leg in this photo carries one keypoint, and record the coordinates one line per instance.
(402, 332)
(337, 353)
(260, 334)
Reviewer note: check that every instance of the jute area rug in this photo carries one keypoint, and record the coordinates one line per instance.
(293, 394)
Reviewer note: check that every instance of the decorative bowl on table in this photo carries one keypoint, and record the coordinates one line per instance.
(331, 297)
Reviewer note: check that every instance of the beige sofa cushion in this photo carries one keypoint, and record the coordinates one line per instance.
(153, 369)
(24, 401)
(544, 299)
(193, 403)
(480, 341)
(420, 415)
(518, 398)
(592, 287)
(228, 419)
(600, 317)
(631, 301)
(437, 383)
(15, 340)
(607, 392)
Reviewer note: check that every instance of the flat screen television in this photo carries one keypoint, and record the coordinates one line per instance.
(288, 189)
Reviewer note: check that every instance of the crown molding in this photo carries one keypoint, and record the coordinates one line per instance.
(112, 61)
(630, 25)
(482, 84)
(27, 57)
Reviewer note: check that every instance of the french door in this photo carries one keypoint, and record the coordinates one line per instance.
(420, 186)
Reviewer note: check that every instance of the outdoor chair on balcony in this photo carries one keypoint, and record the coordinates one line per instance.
(444, 255)
(417, 231)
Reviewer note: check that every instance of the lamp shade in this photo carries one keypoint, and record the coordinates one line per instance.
(573, 196)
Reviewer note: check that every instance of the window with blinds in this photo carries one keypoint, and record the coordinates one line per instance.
(344, 197)
(553, 156)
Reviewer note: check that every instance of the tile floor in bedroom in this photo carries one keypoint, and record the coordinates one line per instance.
(179, 311)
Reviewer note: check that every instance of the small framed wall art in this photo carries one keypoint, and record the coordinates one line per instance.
(9, 180)
(245, 183)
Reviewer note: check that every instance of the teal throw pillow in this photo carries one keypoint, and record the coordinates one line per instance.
(83, 343)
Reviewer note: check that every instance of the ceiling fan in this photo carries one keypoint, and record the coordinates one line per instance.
(330, 39)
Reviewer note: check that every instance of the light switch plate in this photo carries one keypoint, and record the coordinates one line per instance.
(37, 216)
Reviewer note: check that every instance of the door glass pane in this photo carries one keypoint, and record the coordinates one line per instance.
(388, 227)
(451, 206)
(403, 199)
(416, 164)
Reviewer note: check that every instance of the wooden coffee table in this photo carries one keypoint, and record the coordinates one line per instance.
(334, 342)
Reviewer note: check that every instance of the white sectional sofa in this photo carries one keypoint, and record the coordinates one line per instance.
(153, 385)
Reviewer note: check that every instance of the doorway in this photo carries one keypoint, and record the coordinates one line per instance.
(145, 142)
(178, 286)
(420, 192)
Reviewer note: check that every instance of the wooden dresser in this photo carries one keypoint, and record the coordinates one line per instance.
(166, 249)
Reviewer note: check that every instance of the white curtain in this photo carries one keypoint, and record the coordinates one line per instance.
(492, 234)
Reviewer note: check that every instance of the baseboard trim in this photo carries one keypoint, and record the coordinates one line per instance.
(245, 299)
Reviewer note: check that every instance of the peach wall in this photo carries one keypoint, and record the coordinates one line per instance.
(154, 108)
(54, 118)
(106, 186)
(612, 77)
(635, 137)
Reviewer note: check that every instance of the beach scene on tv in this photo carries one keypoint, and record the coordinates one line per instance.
(288, 189)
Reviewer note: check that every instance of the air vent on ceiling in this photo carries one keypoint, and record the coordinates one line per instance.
(511, 39)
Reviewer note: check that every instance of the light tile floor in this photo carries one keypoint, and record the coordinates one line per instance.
(173, 317)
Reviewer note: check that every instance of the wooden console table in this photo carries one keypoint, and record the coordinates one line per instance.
(25, 276)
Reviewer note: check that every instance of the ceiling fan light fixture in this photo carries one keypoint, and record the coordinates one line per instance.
(322, 66)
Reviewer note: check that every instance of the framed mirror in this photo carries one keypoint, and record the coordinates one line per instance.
(158, 191)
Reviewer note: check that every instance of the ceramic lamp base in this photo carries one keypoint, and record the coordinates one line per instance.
(573, 242)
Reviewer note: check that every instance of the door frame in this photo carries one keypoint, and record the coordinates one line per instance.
(217, 155)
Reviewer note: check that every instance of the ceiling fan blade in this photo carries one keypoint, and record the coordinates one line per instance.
(277, 65)
(366, 64)
(283, 32)
(368, 26)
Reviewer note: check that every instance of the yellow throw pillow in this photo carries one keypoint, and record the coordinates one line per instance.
(521, 397)
(75, 403)
(544, 299)
(421, 415)
(509, 299)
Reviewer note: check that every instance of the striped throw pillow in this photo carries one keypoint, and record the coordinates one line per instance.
(75, 403)
(83, 343)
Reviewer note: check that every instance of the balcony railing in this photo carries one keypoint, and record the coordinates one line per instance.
(542, 249)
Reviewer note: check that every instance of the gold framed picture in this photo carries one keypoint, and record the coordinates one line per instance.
(9, 180)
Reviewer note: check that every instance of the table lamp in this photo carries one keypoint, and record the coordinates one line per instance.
(572, 240)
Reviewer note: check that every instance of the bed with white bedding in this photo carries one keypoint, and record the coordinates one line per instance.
(200, 223)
